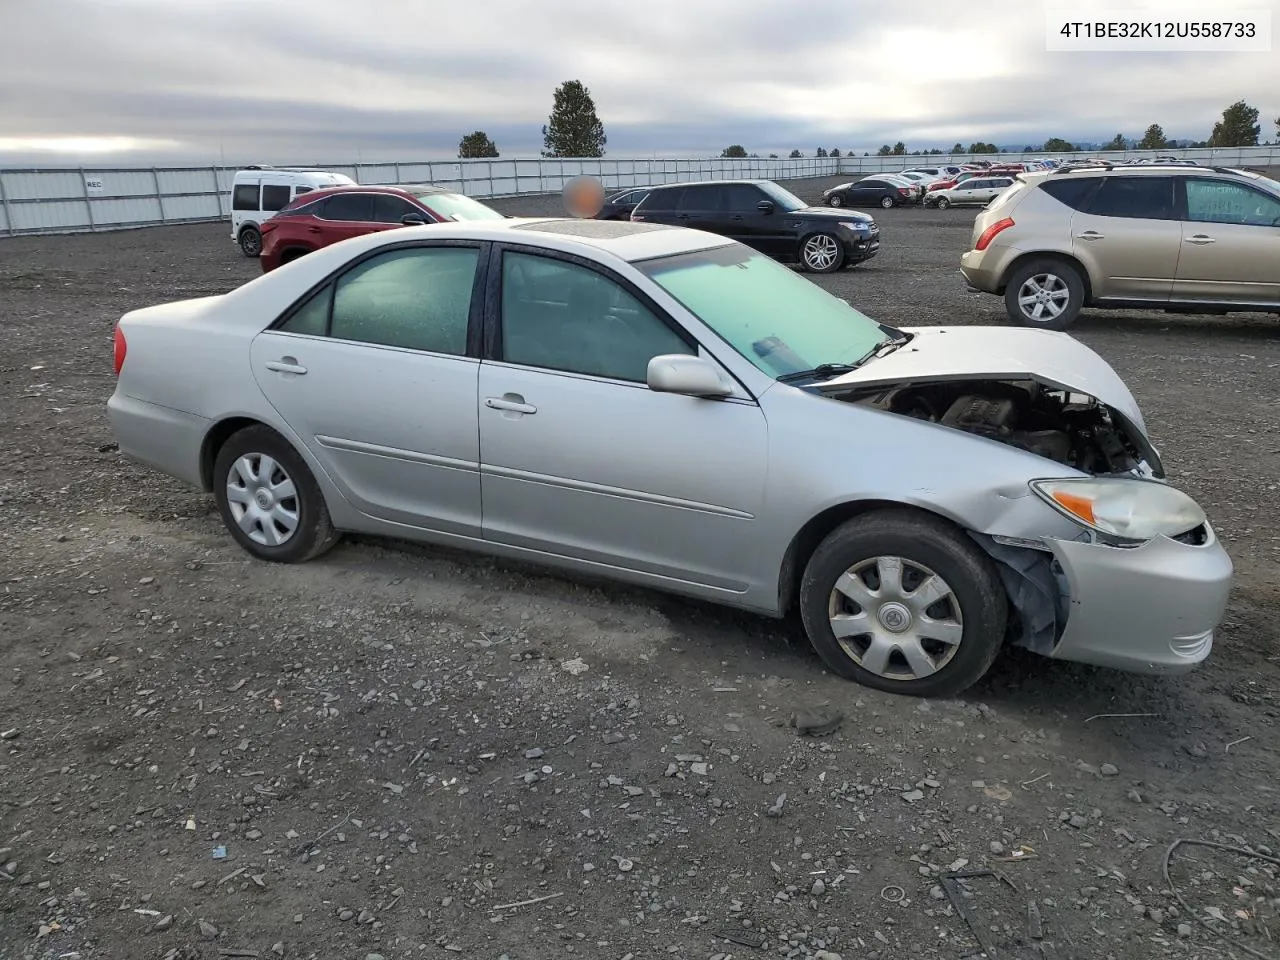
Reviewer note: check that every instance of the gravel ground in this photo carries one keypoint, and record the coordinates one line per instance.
(406, 752)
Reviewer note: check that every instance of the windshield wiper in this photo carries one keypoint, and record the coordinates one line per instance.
(827, 370)
(821, 371)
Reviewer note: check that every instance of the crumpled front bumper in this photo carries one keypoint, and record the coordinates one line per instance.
(1146, 609)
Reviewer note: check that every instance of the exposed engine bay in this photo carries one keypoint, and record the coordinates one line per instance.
(1070, 428)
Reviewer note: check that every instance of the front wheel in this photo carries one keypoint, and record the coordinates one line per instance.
(269, 500)
(904, 603)
(1048, 294)
(251, 241)
(887, 202)
(821, 253)
(943, 203)
(835, 200)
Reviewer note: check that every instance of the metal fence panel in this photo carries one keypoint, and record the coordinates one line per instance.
(97, 198)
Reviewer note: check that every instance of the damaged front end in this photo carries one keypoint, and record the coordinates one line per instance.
(1145, 601)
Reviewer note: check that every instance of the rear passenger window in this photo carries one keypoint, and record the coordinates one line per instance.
(245, 197)
(662, 201)
(274, 196)
(419, 299)
(349, 207)
(700, 199)
(1141, 198)
(1073, 191)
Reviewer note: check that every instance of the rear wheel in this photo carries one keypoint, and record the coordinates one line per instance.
(887, 202)
(251, 241)
(268, 498)
(821, 253)
(904, 603)
(835, 200)
(1048, 294)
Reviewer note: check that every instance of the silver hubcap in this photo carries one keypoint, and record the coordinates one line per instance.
(820, 252)
(896, 618)
(886, 202)
(943, 202)
(836, 201)
(263, 500)
(1043, 297)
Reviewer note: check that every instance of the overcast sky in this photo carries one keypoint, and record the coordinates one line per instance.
(342, 80)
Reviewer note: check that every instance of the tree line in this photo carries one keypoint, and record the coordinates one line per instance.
(573, 129)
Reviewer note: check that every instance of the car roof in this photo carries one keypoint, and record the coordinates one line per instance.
(398, 189)
(624, 239)
(1139, 170)
(707, 183)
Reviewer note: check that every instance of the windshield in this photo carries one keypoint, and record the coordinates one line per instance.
(454, 206)
(785, 199)
(774, 317)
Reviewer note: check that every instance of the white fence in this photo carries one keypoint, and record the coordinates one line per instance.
(67, 200)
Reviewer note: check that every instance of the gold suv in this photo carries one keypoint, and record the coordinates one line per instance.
(1177, 238)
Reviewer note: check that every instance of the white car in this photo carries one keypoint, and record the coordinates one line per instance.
(976, 190)
(257, 193)
(658, 405)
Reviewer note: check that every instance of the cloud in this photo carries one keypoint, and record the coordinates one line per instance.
(394, 79)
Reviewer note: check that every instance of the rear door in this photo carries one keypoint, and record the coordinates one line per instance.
(375, 374)
(700, 208)
(277, 191)
(1129, 237)
(1230, 244)
(659, 206)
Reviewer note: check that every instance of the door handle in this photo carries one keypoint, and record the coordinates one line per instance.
(286, 365)
(1200, 238)
(682, 216)
(736, 216)
(313, 229)
(511, 402)
(1089, 235)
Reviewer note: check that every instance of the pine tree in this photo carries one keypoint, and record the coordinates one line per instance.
(573, 129)
(1153, 139)
(476, 145)
(1238, 127)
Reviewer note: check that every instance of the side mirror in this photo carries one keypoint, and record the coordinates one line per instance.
(765, 206)
(413, 220)
(687, 375)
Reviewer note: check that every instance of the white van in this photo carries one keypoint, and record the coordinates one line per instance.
(258, 192)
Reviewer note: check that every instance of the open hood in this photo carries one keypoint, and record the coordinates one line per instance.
(1056, 360)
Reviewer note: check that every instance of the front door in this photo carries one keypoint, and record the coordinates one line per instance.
(580, 459)
(372, 374)
(746, 222)
(1129, 238)
(1230, 244)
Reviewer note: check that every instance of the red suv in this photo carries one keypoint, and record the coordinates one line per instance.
(321, 217)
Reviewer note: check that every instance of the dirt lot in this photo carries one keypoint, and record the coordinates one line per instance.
(379, 753)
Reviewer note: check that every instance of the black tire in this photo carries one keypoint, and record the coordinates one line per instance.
(290, 255)
(835, 200)
(943, 203)
(922, 540)
(251, 241)
(887, 202)
(1051, 272)
(313, 533)
(831, 259)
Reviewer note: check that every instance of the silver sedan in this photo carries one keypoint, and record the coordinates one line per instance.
(669, 408)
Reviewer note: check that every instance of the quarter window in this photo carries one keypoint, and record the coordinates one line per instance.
(562, 316)
(419, 299)
(1141, 198)
(1218, 201)
(274, 196)
(245, 197)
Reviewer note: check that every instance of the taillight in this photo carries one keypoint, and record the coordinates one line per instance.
(120, 348)
(904, 191)
(992, 232)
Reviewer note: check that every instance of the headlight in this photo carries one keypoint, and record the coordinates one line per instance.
(1132, 510)
(856, 226)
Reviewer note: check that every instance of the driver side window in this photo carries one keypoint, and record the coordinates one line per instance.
(1217, 201)
(562, 316)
